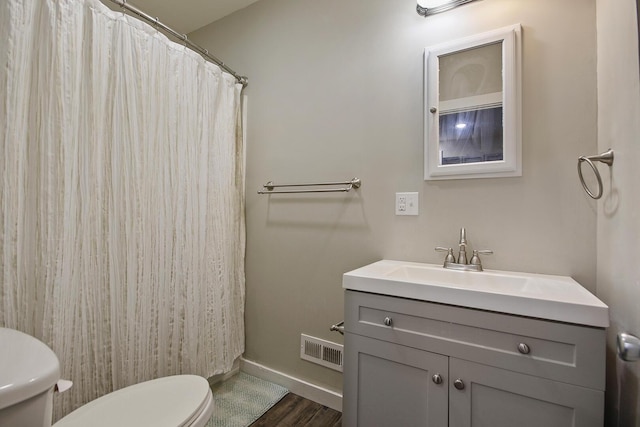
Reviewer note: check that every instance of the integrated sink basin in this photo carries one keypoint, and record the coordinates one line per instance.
(542, 296)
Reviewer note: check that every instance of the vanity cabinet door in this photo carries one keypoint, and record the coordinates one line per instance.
(494, 397)
(391, 385)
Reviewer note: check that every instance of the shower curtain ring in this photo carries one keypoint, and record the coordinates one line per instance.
(123, 7)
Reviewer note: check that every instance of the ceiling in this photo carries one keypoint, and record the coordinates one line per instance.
(186, 16)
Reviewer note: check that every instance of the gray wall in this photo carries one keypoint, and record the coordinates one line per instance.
(619, 211)
(336, 90)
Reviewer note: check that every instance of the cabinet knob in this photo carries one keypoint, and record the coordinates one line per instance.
(388, 321)
(459, 384)
(433, 110)
(523, 348)
(437, 378)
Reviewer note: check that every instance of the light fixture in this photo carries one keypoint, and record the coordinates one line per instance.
(431, 7)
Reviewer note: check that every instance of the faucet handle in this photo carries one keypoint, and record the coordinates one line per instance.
(475, 259)
(449, 251)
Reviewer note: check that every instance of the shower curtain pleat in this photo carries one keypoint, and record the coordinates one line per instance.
(121, 198)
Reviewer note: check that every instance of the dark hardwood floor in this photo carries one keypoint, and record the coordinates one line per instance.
(296, 411)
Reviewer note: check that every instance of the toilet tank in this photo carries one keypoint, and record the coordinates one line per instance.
(29, 371)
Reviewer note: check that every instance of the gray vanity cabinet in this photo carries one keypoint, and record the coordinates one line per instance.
(498, 397)
(416, 363)
(394, 384)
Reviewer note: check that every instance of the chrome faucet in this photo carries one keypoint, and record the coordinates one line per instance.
(462, 254)
(473, 265)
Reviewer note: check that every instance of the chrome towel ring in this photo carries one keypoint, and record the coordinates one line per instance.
(607, 158)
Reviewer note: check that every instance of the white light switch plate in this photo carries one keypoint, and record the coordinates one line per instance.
(407, 204)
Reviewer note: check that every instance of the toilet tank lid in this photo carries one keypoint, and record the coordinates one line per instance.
(27, 367)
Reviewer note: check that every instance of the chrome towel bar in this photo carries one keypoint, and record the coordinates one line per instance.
(338, 327)
(268, 188)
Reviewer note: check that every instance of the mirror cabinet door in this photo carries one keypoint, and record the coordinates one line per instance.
(472, 107)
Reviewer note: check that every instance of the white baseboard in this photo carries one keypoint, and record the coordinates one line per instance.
(300, 387)
(223, 377)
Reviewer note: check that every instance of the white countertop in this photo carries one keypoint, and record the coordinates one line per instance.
(557, 298)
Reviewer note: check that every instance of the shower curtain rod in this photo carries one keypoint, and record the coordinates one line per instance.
(202, 51)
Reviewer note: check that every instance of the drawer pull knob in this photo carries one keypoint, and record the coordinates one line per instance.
(437, 378)
(459, 384)
(388, 321)
(523, 348)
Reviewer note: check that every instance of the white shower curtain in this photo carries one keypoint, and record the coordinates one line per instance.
(121, 197)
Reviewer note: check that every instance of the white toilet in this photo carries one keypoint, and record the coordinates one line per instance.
(29, 371)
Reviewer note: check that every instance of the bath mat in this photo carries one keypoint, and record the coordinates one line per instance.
(242, 399)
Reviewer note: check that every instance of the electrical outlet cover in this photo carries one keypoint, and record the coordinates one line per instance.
(407, 203)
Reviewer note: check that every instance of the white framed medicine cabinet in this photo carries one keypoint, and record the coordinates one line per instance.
(473, 107)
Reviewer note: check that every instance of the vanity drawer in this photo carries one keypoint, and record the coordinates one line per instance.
(563, 352)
